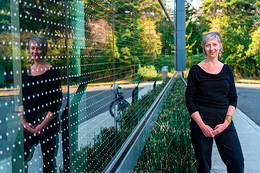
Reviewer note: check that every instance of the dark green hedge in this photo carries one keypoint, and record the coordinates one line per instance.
(169, 147)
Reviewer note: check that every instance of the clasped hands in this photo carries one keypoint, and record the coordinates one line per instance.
(36, 130)
(209, 132)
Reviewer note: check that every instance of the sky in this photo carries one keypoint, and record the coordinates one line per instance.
(195, 3)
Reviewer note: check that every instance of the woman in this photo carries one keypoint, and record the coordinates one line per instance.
(41, 95)
(211, 100)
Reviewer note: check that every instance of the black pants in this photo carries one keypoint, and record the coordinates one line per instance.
(48, 147)
(228, 146)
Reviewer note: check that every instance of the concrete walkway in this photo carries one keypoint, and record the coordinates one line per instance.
(248, 100)
(249, 135)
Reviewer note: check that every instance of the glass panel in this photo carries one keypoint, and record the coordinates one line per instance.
(10, 84)
(91, 75)
(87, 87)
(115, 59)
(33, 64)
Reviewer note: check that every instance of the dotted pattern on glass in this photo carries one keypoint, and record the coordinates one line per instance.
(104, 44)
(29, 94)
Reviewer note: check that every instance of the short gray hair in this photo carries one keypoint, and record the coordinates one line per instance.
(209, 36)
(41, 41)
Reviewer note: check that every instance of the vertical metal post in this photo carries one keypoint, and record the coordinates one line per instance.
(78, 42)
(17, 82)
(114, 72)
(66, 142)
(149, 37)
(16, 49)
(179, 37)
(113, 31)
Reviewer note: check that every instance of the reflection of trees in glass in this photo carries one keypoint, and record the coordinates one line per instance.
(44, 15)
(98, 55)
(6, 38)
(5, 18)
(5, 54)
(136, 35)
(150, 43)
(167, 37)
(136, 29)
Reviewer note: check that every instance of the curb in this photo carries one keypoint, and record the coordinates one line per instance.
(248, 120)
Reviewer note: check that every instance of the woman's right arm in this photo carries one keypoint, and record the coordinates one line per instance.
(190, 95)
(206, 130)
(27, 126)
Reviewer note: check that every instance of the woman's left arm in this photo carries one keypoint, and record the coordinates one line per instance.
(39, 129)
(221, 127)
(232, 99)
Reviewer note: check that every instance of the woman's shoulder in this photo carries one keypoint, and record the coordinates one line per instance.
(54, 70)
(25, 70)
(229, 70)
(194, 71)
(194, 68)
(228, 67)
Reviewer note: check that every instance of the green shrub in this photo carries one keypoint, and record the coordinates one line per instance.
(169, 147)
(149, 73)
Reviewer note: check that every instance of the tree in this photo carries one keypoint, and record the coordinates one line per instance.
(235, 20)
(254, 51)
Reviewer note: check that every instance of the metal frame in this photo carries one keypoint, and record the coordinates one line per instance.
(179, 39)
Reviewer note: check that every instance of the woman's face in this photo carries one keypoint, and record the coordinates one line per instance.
(212, 48)
(35, 50)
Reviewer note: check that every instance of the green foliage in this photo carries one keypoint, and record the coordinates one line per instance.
(195, 26)
(138, 40)
(149, 45)
(167, 37)
(194, 59)
(169, 148)
(165, 60)
(148, 73)
(238, 22)
(254, 50)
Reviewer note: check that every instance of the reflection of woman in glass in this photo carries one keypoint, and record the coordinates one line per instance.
(41, 99)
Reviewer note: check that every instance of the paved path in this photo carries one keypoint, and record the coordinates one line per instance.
(248, 100)
(249, 135)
